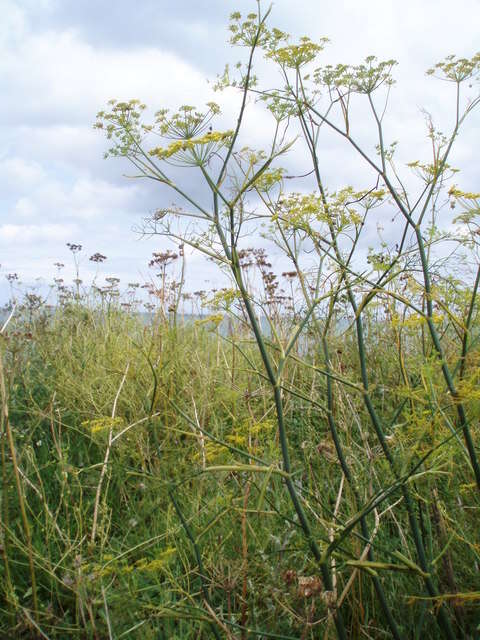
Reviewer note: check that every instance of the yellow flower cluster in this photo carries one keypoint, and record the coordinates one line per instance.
(105, 423)
(242, 435)
(296, 55)
(297, 209)
(250, 430)
(147, 566)
(190, 144)
(213, 451)
(214, 319)
(269, 179)
(155, 565)
(453, 192)
(223, 299)
(414, 320)
(456, 69)
(262, 427)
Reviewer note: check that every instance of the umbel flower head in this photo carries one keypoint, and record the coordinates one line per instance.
(195, 151)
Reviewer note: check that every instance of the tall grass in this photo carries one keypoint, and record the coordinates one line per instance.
(194, 533)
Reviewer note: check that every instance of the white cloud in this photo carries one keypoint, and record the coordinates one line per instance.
(25, 208)
(13, 23)
(54, 185)
(86, 199)
(21, 174)
(31, 233)
(55, 77)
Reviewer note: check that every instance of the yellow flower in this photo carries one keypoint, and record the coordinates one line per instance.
(103, 424)
(190, 144)
(157, 564)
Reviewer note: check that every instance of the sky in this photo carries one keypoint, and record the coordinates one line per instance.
(62, 60)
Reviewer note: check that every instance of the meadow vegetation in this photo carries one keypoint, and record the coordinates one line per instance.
(298, 459)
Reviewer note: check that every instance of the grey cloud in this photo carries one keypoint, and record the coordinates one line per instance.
(195, 31)
(46, 112)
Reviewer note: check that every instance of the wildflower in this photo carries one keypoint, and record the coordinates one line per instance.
(157, 564)
(97, 257)
(103, 424)
(195, 150)
(74, 248)
(309, 586)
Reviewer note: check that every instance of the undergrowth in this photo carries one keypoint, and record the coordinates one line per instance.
(191, 529)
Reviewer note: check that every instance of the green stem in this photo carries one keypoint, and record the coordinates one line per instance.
(443, 619)
(348, 475)
(18, 484)
(274, 382)
(462, 417)
(198, 557)
(468, 323)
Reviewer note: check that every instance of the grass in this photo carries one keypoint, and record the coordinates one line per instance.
(147, 461)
